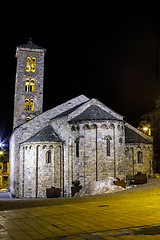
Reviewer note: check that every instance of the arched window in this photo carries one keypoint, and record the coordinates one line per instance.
(32, 85)
(26, 104)
(27, 85)
(28, 119)
(77, 147)
(48, 156)
(139, 157)
(127, 152)
(108, 147)
(28, 64)
(33, 66)
(31, 105)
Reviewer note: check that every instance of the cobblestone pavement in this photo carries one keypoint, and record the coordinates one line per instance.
(126, 215)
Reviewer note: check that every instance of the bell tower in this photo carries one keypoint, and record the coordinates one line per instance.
(28, 102)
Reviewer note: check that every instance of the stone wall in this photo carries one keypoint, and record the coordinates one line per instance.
(36, 174)
(92, 162)
(131, 156)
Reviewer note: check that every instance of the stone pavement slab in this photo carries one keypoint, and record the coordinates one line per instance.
(130, 215)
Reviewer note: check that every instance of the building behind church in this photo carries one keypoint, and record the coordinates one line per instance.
(150, 124)
(4, 169)
(81, 139)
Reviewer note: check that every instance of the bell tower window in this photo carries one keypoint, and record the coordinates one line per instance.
(32, 85)
(33, 66)
(27, 85)
(28, 119)
(28, 64)
(26, 104)
(29, 105)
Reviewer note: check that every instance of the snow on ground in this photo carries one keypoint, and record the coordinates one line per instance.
(99, 187)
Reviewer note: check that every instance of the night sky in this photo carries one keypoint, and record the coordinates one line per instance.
(113, 57)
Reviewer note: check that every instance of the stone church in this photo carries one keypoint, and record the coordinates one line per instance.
(81, 139)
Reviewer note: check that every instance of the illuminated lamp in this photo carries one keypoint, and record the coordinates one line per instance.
(145, 129)
(1, 152)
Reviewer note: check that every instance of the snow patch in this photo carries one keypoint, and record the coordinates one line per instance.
(99, 187)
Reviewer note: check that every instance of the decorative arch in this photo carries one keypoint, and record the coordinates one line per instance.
(93, 126)
(112, 126)
(73, 128)
(139, 148)
(104, 126)
(108, 136)
(86, 127)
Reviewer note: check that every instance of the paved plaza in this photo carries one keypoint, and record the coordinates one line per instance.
(131, 214)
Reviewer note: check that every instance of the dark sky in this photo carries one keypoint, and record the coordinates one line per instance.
(113, 57)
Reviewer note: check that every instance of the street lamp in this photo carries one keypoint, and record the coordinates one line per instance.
(1, 153)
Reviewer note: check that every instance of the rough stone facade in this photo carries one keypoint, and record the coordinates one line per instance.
(23, 52)
(81, 139)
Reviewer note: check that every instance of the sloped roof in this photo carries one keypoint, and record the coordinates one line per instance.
(133, 137)
(67, 112)
(31, 45)
(93, 113)
(47, 134)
